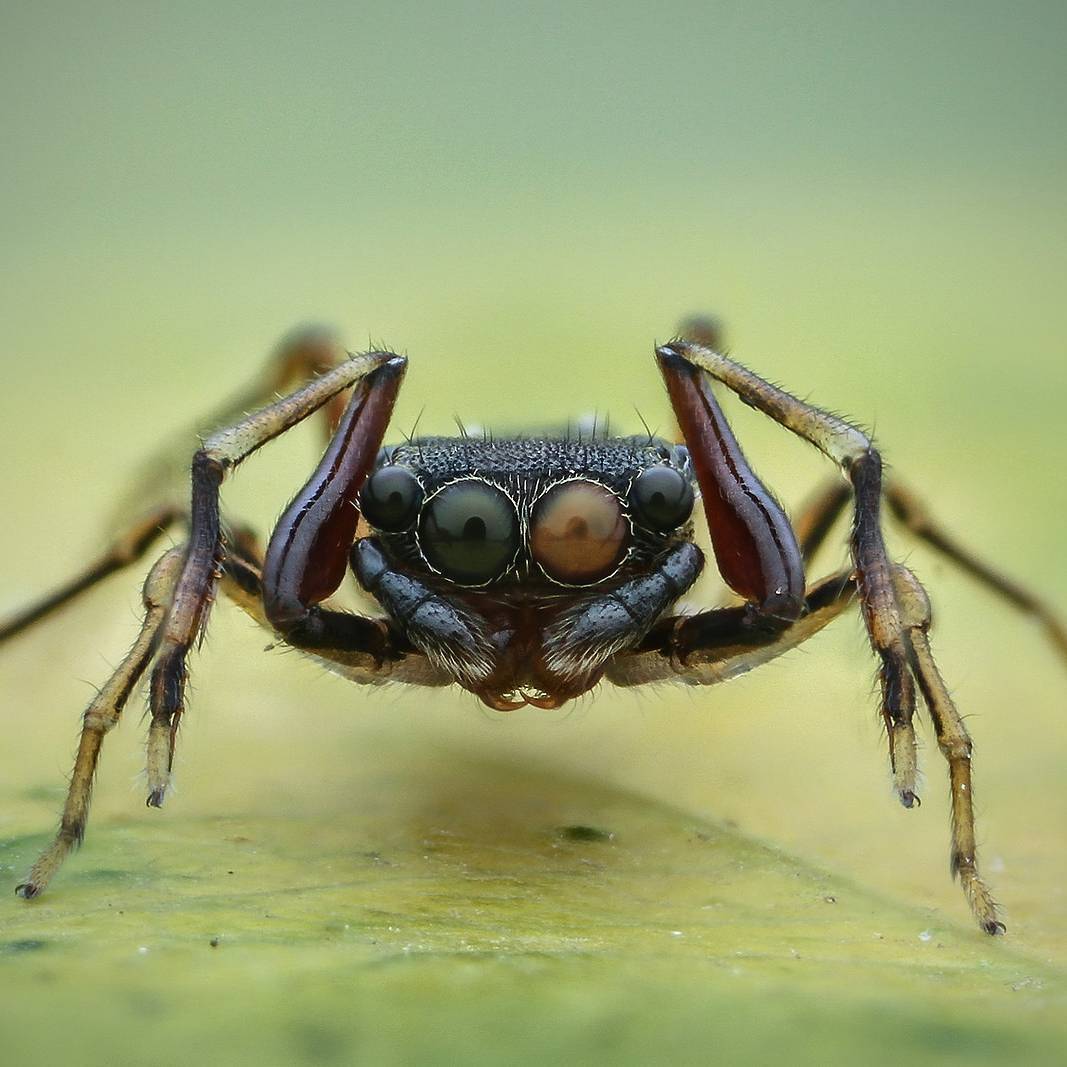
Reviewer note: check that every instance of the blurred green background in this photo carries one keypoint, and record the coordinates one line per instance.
(524, 198)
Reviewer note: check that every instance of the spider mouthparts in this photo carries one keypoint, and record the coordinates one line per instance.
(521, 696)
(540, 699)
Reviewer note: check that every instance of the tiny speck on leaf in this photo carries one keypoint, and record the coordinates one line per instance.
(584, 833)
(1027, 983)
(28, 944)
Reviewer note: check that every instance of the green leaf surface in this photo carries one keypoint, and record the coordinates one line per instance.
(489, 908)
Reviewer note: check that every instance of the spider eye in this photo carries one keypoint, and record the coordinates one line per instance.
(578, 532)
(662, 497)
(390, 499)
(469, 532)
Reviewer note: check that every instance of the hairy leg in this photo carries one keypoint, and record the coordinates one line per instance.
(819, 515)
(303, 354)
(242, 582)
(101, 715)
(377, 374)
(128, 547)
(157, 501)
(955, 745)
(907, 507)
(716, 645)
(721, 643)
(862, 465)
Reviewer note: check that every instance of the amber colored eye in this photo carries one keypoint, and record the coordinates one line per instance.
(469, 532)
(662, 498)
(390, 499)
(578, 532)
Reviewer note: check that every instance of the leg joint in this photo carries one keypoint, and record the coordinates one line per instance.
(97, 720)
(864, 466)
(956, 748)
(209, 466)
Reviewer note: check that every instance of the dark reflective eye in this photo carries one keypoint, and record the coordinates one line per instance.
(390, 499)
(578, 533)
(662, 498)
(469, 532)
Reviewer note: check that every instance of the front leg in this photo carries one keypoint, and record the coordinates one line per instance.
(685, 366)
(359, 658)
(155, 501)
(894, 604)
(306, 563)
(721, 643)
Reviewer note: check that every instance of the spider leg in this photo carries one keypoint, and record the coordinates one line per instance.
(101, 715)
(906, 507)
(321, 529)
(954, 743)
(706, 330)
(714, 646)
(818, 516)
(719, 644)
(684, 365)
(302, 354)
(156, 499)
(242, 582)
(127, 548)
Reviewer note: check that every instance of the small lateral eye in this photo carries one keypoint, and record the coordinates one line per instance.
(469, 532)
(390, 499)
(578, 532)
(662, 498)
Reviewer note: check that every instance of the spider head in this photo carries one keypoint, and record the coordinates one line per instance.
(540, 514)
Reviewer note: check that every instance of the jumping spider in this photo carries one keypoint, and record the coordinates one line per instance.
(526, 570)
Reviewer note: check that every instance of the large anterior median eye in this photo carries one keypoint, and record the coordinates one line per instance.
(390, 499)
(578, 532)
(662, 498)
(469, 532)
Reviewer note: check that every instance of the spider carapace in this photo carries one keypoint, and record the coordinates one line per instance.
(528, 570)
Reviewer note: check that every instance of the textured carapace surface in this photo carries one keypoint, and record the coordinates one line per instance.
(524, 469)
(577, 544)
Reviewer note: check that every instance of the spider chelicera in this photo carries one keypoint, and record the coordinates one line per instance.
(527, 570)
